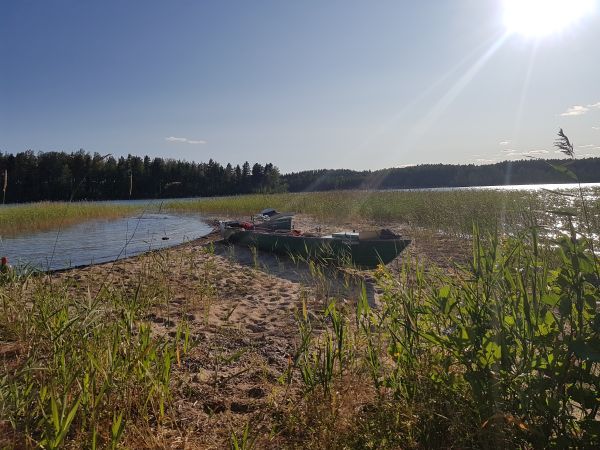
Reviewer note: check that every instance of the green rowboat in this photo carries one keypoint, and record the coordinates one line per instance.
(364, 250)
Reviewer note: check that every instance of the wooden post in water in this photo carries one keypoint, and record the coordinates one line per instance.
(130, 183)
(4, 186)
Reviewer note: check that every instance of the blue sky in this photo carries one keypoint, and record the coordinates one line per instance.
(310, 84)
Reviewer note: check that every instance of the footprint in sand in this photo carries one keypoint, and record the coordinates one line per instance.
(256, 392)
(256, 328)
(240, 407)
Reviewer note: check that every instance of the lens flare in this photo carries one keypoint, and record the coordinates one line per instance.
(537, 18)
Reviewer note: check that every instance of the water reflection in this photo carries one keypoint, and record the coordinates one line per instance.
(513, 187)
(101, 240)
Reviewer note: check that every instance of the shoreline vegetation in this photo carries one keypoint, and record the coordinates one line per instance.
(448, 211)
(211, 346)
(44, 216)
(452, 211)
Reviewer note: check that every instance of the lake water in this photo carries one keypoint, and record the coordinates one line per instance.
(514, 187)
(101, 240)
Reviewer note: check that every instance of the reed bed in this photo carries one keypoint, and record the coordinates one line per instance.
(452, 211)
(17, 219)
(501, 354)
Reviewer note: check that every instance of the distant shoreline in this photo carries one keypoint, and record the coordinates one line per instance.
(59, 176)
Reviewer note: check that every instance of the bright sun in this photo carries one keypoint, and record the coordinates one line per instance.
(536, 18)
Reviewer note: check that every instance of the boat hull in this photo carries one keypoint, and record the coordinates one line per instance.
(366, 253)
(283, 223)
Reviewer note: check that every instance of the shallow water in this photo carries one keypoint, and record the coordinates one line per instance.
(101, 240)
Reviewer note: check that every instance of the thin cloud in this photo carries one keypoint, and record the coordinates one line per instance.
(184, 140)
(576, 110)
(503, 142)
(591, 153)
(596, 128)
(580, 110)
(535, 153)
(527, 154)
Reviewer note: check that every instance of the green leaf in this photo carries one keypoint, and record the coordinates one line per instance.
(549, 318)
(550, 298)
(492, 352)
(67, 424)
(444, 291)
(55, 418)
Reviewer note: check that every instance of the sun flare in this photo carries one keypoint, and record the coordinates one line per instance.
(537, 18)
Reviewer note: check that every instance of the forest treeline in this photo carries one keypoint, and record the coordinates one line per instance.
(81, 175)
(533, 171)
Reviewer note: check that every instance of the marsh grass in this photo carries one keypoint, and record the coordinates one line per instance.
(452, 211)
(17, 219)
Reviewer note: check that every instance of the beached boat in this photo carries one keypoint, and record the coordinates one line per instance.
(272, 220)
(267, 219)
(365, 249)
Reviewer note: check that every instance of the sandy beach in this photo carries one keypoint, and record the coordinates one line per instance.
(241, 308)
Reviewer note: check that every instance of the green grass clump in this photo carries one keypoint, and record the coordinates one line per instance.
(83, 367)
(50, 215)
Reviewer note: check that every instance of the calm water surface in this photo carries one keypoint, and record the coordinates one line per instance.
(513, 187)
(101, 240)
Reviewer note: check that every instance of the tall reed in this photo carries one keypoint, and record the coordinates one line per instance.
(451, 211)
(41, 216)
